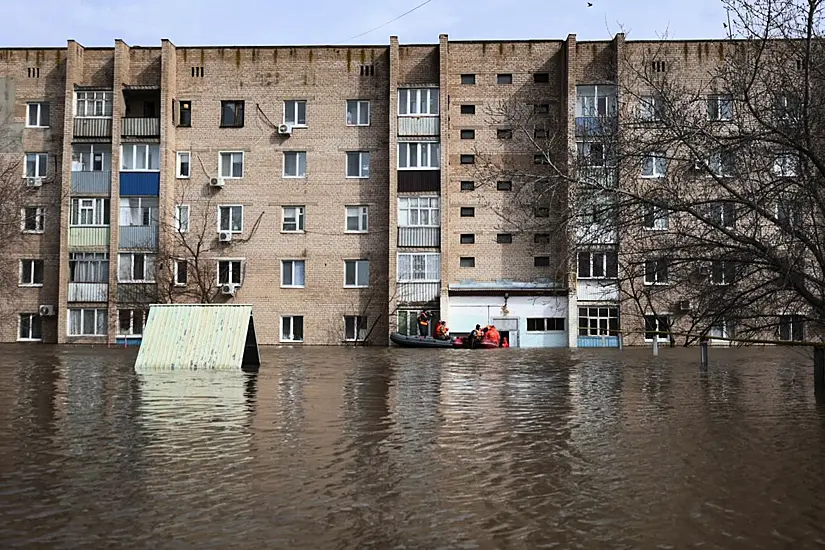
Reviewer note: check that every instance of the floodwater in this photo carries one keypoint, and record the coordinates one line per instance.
(390, 448)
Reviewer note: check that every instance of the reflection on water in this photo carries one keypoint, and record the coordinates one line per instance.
(386, 448)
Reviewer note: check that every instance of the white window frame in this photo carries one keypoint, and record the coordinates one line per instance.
(659, 317)
(359, 332)
(359, 263)
(95, 149)
(719, 100)
(660, 216)
(179, 164)
(544, 322)
(359, 107)
(31, 317)
(786, 165)
(230, 281)
(596, 101)
(362, 174)
(721, 164)
(41, 165)
(291, 263)
(38, 107)
(592, 261)
(430, 274)
(98, 208)
(418, 146)
(91, 98)
(39, 219)
(360, 213)
(89, 267)
(720, 273)
(230, 155)
(97, 312)
(409, 102)
(655, 281)
(291, 337)
(294, 103)
(149, 262)
(598, 324)
(405, 211)
(182, 217)
(298, 217)
(656, 159)
(142, 206)
(231, 209)
(649, 108)
(176, 265)
(788, 322)
(719, 215)
(297, 165)
(32, 271)
(131, 334)
(145, 148)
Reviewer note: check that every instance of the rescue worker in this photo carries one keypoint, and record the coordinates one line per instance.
(441, 330)
(493, 335)
(423, 323)
(505, 343)
(474, 336)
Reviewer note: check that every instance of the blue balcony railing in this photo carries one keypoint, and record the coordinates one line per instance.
(139, 184)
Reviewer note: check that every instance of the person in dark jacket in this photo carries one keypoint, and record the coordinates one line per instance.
(474, 336)
(423, 323)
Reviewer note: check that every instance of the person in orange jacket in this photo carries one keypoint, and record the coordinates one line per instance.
(493, 335)
(505, 343)
(441, 330)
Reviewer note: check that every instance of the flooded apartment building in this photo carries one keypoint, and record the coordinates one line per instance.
(340, 190)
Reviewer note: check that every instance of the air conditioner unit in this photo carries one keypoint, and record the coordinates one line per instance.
(229, 289)
(285, 129)
(47, 311)
(225, 236)
(685, 305)
(34, 182)
(217, 182)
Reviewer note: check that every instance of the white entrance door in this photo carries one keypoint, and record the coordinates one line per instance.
(508, 326)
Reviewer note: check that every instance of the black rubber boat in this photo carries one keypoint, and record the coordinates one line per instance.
(419, 342)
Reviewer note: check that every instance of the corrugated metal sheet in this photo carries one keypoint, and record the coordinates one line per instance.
(597, 290)
(140, 127)
(139, 184)
(93, 127)
(88, 292)
(419, 236)
(419, 126)
(415, 181)
(418, 292)
(202, 336)
(144, 237)
(80, 237)
(91, 183)
(598, 341)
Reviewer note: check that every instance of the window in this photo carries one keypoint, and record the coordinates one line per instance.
(91, 158)
(504, 133)
(541, 158)
(591, 154)
(181, 272)
(230, 164)
(295, 113)
(541, 261)
(140, 211)
(504, 238)
(32, 219)
(598, 264)
(541, 212)
(358, 112)
(407, 321)
(721, 164)
(789, 213)
(786, 165)
(357, 219)
(722, 329)
(468, 79)
(88, 322)
(229, 272)
(545, 324)
(468, 159)
(656, 217)
(656, 271)
(181, 218)
(136, 267)
(93, 104)
(88, 267)
(293, 273)
(467, 261)
(130, 322)
(649, 108)
(292, 219)
(356, 273)
(232, 114)
(596, 101)
(139, 157)
(468, 186)
(720, 107)
(467, 212)
(468, 134)
(183, 164)
(541, 78)
(419, 155)
(30, 327)
(504, 78)
(37, 164)
(230, 218)
(185, 115)
(355, 328)
(292, 328)
(541, 238)
(468, 109)
(541, 108)
(792, 328)
(423, 101)
(31, 272)
(467, 238)
(541, 133)
(358, 164)
(295, 164)
(598, 321)
(504, 186)
(89, 212)
(654, 165)
(37, 115)
(723, 213)
(656, 326)
(419, 268)
(722, 272)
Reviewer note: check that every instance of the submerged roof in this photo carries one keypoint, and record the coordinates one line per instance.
(198, 336)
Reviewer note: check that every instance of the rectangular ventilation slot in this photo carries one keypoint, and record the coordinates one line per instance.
(34, 72)
(197, 72)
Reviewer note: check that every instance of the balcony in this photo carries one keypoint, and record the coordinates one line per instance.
(419, 126)
(143, 237)
(597, 290)
(418, 292)
(137, 293)
(88, 292)
(424, 237)
(140, 127)
(91, 183)
(595, 126)
(416, 181)
(139, 184)
(88, 237)
(93, 128)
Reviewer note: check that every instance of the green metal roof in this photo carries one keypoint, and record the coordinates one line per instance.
(198, 336)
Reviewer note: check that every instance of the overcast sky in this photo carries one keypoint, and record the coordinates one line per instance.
(265, 22)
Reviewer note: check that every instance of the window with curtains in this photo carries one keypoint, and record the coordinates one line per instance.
(92, 157)
(88, 267)
(88, 322)
(138, 211)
